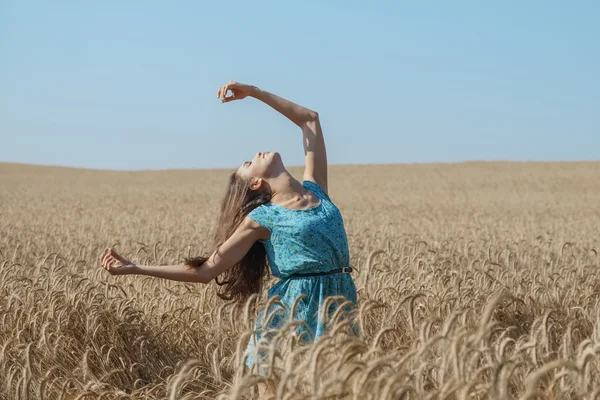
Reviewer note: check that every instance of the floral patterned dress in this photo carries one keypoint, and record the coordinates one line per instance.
(303, 241)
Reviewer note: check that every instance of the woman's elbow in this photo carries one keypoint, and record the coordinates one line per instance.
(309, 120)
(199, 275)
(204, 276)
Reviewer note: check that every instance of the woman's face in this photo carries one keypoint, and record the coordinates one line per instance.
(263, 166)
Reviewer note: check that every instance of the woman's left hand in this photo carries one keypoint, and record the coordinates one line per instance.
(238, 91)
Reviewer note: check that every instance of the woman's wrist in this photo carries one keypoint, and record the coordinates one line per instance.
(133, 269)
(254, 91)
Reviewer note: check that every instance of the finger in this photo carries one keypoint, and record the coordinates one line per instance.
(116, 255)
(232, 87)
(110, 259)
(225, 91)
(103, 258)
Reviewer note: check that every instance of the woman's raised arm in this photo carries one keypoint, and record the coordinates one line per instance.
(315, 154)
(229, 254)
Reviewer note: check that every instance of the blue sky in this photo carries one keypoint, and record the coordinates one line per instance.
(132, 85)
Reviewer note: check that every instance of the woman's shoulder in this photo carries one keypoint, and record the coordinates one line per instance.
(264, 215)
(264, 209)
(316, 189)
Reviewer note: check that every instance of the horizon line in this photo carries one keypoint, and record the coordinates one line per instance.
(300, 166)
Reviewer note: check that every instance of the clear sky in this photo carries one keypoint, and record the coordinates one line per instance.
(132, 84)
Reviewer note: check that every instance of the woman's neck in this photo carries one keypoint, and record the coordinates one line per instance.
(285, 189)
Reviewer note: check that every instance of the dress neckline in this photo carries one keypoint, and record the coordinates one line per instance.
(302, 209)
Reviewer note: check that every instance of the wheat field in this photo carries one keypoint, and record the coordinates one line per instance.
(476, 280)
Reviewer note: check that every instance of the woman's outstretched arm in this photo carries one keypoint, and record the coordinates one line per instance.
(315, 154)
(229, 254)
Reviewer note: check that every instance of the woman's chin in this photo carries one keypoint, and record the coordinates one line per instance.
(276, 156)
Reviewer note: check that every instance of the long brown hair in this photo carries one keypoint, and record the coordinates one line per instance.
(246, 277)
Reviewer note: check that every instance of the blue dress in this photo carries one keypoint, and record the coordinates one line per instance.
(303, 241)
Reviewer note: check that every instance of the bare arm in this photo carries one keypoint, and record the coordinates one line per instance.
(229, 254)
(315, 154)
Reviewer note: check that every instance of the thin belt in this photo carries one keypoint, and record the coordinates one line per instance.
(345, 270)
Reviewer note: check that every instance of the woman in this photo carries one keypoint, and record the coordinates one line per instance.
(269, 219)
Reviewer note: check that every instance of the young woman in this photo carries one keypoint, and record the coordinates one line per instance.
(269, 219)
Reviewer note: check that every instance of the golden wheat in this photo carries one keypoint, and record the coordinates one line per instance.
(475, 280)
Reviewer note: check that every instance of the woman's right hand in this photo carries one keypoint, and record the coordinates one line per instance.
(238, 91)
(116, 264)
